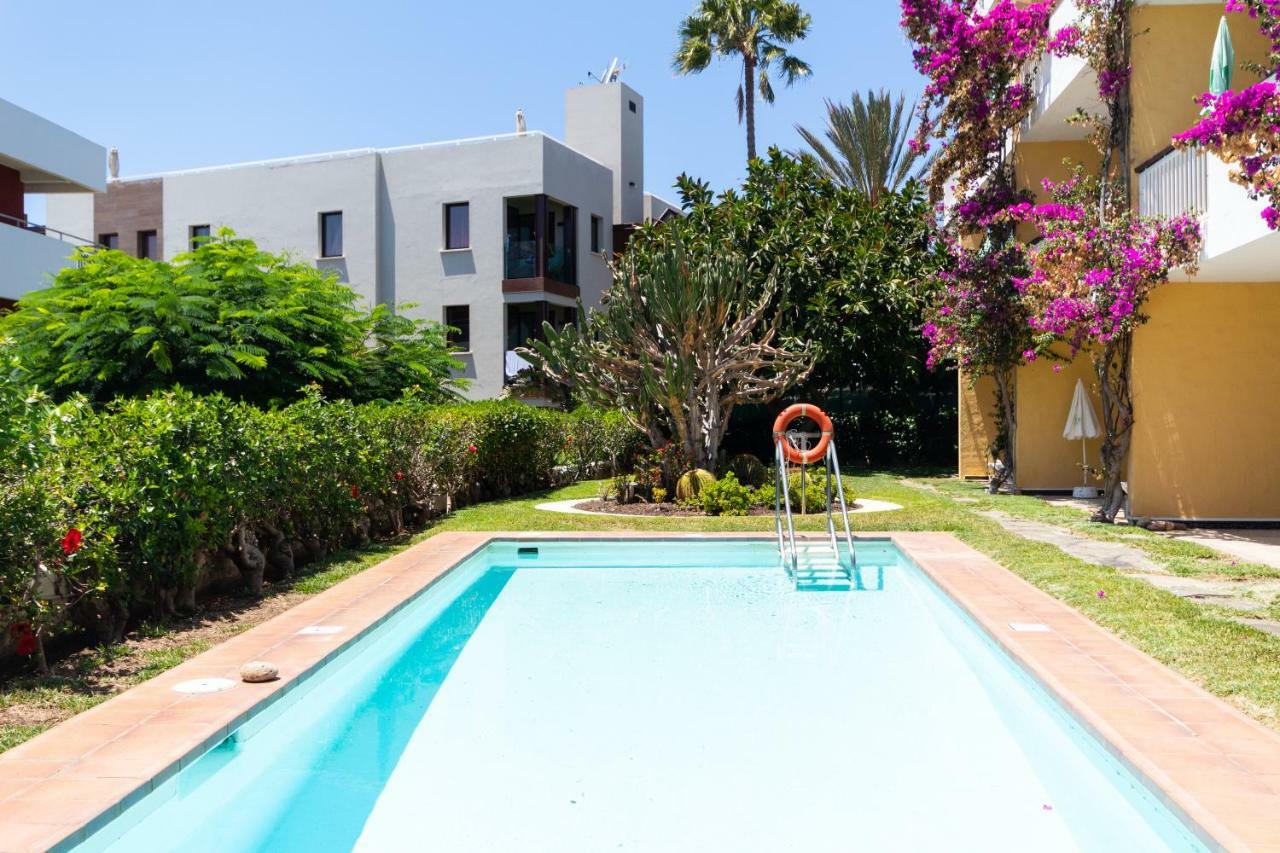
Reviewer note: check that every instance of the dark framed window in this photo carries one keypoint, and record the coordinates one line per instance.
(111, 241)
(457, 225)
(199, 234)
(458, 319)
(148, 245)
(331, 234)
(631, 105)
(597, 234)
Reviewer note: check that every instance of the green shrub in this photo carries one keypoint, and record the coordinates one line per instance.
(174, 492)
(598, 437)
(726, 496)
(815, 492)
(748, 469)
(691, 484)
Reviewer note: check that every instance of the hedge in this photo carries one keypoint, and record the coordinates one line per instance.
(140, 506)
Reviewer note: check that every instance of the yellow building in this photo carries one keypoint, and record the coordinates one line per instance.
(1206, 367)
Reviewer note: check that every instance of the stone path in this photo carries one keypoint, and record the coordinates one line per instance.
(1246, 597)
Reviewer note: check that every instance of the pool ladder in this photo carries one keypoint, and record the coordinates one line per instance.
(813, 564)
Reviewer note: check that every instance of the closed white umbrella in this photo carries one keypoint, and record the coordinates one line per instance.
(1082, 423)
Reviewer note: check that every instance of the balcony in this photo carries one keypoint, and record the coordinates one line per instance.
(29, 254)
(540, 253)
(1062, 86)
(1238, 246)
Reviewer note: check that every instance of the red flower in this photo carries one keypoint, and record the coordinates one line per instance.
(26, 638)
(471, 448)
(569, 440)
(355, 491)
(399, 476)
(71, 542)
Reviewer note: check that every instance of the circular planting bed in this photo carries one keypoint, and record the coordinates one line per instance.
(595, 506)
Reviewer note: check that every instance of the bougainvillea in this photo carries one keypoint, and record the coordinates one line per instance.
(974, 63)
(1243, 129)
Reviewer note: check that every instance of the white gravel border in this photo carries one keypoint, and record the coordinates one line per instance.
(862, 505)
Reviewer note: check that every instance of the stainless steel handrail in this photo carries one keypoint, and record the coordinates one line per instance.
(28, 225)
(781, 499)
(834, 463)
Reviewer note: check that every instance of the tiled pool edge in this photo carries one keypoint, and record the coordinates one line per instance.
(1187, 766)
(64, 794)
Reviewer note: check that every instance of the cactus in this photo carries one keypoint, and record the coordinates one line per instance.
(691, 484)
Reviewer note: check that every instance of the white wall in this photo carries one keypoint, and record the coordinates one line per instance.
(51, 158)
(588, 186)
(598, 121)
(70, 212)
(278, 205)
(28, 259)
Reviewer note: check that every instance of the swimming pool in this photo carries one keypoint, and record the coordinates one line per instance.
(660, 695)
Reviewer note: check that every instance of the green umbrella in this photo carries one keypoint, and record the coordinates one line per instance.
(1224, 56)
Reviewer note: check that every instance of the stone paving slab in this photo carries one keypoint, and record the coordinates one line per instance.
(1114, 554)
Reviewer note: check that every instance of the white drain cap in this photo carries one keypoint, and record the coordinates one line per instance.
(204, 685)
(321, 629)
(1030, 627)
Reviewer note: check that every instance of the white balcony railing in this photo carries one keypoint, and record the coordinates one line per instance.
(1173, 183)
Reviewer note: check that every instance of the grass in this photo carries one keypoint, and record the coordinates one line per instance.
(1238, 663)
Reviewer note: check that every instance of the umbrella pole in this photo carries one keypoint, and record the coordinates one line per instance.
(1084, 464)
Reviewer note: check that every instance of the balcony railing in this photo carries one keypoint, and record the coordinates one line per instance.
(27, 225)
(1174, 182)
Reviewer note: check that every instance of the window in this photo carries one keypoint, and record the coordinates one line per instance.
(458, 319)
(147, 244)
(631, 105)
(457, 226)
(110, 241)
(199, 234)
(331, 234)
(597, 234)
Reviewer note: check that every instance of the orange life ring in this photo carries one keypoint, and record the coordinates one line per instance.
(802, 410)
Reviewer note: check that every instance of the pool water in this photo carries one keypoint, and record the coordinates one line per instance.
(660, 696)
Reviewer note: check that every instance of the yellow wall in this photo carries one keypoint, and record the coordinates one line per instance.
(1046, 460)
(1206, 383)
(1035, 161)
(1171, 50)
(977, 424)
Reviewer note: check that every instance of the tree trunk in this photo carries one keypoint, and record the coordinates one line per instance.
(749, 104)
(1006, 424)
(1112, 367)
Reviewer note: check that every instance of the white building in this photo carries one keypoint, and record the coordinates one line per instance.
(38, 156)
(490, 235)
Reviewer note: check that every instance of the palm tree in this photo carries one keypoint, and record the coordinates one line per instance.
(754, 30)
(868, 144)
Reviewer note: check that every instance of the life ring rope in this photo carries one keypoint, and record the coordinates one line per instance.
(802, 410)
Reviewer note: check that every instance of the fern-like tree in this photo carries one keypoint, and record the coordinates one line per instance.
(754, 31)
(866, 144)
(680, 341)
(227, 317)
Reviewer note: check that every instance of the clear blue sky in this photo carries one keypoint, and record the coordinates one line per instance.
(178, 85)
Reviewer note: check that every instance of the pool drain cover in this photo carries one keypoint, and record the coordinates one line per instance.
(1030, 627)
(204, 685)
(320, 629)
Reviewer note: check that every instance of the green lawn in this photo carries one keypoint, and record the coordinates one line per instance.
(1233, 661)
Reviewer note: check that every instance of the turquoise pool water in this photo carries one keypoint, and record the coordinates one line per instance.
(660, 696)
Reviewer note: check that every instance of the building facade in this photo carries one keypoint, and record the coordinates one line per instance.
(491, 236)
(40, 157)
(1206, 367)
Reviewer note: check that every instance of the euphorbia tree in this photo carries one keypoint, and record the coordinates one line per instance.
(1091, 276)
(680, 341)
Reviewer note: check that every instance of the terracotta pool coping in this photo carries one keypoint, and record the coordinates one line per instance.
(1217, 768)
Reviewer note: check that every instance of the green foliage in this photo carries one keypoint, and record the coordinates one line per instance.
(596, 435)
(814, 493)
(692, 483)
(226, 318)
(171, 489)
(748, 469)
(726, 496)
(866, 144)
(852, 277)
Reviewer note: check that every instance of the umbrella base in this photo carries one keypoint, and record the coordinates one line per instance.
(1084, 492)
